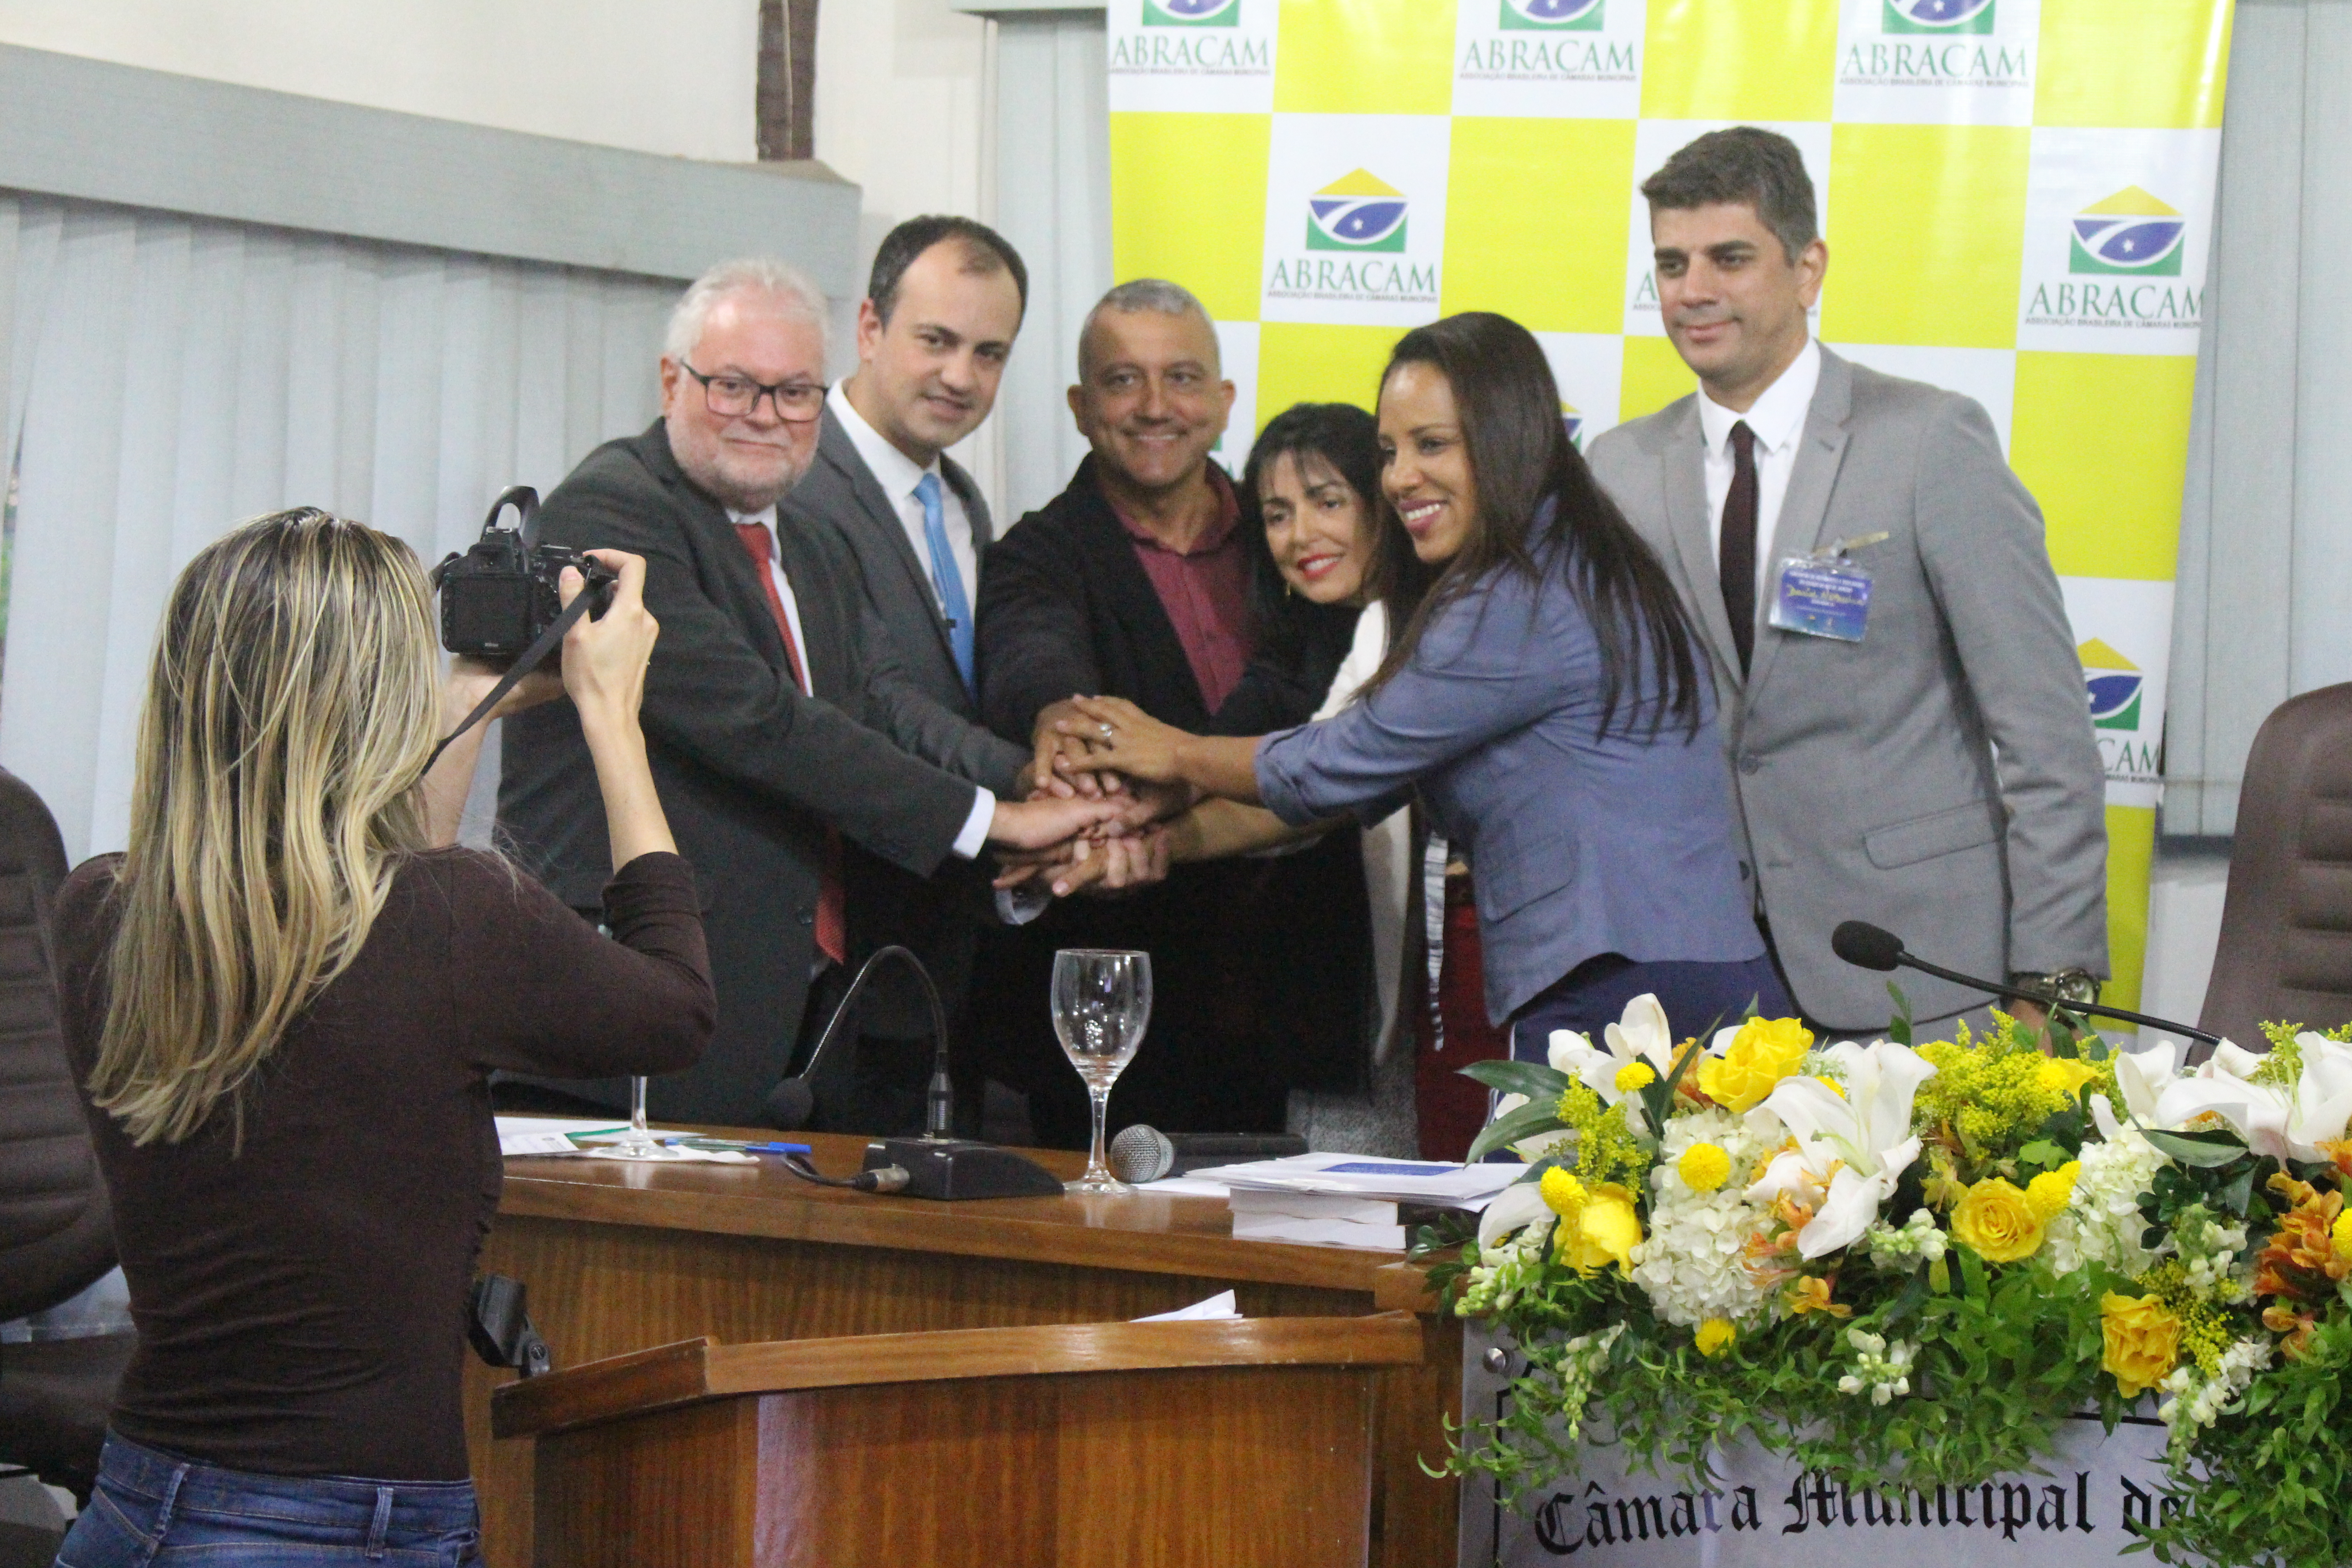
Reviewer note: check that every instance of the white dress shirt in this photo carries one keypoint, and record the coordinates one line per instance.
(898, 476)
(974, 837)
(1778, 418)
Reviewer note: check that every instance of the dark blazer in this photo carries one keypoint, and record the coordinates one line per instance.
(751, 772)
(939, 916)
(1065, 607)
(1261, 972)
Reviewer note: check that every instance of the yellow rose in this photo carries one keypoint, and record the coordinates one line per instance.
(2341, 1236)
(1602, 1229)
(1762, 1054)
(1704, 1167)
(1635, 1075)
(2049, 1193)
(2143, 1340)
(1995, 1220)
(1715, 1336)
(2064, 1075)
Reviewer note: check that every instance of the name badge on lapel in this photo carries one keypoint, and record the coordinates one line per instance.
(1824, 594)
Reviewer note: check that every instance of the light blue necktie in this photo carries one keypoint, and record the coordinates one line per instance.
(945, 577)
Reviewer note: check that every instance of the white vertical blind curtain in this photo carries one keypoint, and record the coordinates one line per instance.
(1053, 201)
(168, 376)
(2266, 523)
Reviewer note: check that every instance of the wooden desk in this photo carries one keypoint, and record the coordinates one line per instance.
(619, 1257)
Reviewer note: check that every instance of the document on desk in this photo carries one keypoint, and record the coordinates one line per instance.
(1436, 1182)
(548, 1135)
(1219, 1306)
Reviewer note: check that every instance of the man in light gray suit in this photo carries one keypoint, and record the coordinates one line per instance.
(943, 303)
(1925, 760)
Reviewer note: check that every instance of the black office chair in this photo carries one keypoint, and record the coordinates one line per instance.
(2286, 950)
(55, 1239)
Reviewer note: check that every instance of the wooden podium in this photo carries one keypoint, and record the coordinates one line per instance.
(621, 1257)
(1080, 1445)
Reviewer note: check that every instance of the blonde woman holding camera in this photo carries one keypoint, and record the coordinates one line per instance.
(285, 1001)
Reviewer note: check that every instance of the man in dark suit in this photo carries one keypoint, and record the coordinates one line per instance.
(780, 723)
(945, 299)
(1138, 582)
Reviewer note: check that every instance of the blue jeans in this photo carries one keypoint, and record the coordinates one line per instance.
(1696, 996)
(153, 1507)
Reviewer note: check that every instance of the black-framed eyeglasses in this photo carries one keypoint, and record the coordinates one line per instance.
(733, 397)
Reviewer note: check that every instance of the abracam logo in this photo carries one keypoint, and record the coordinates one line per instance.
(1360, 211)
(2114, 685)
(1946, 17)
(1553, 15)
(2130, 232)
(1192, 13)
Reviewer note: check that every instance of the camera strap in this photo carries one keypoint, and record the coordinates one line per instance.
(523, 665)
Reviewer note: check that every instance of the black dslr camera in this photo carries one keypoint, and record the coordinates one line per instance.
(498, 598)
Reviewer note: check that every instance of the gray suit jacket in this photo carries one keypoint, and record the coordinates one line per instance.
(1938, 778)
(937, 916)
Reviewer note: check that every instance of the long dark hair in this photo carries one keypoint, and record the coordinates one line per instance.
(1519, 452)
(1347, 440)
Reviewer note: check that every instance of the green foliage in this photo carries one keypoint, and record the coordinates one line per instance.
(2002, 1360)
(2277, 1474)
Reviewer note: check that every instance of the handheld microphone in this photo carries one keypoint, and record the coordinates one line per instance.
(1142, 1153)
(1867, 946)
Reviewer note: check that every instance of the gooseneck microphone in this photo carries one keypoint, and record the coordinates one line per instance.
(794, 1103)
(1867, 946)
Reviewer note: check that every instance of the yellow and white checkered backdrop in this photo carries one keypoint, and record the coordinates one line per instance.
(2018, 196)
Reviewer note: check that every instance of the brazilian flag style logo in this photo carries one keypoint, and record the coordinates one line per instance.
(1192, 13)
(1946, 17)
(2115, 684)
(1358, 211)
(2130, 232)
(1553, 15)
(1573, 423)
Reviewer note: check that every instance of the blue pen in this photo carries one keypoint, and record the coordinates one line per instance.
(746, 1148)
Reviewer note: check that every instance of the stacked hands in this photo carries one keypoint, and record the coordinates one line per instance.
(1106, 751)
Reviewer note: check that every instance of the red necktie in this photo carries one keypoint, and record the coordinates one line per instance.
(1736, 555)
(832, 913)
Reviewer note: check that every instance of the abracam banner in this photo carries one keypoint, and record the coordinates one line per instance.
(2016, 195)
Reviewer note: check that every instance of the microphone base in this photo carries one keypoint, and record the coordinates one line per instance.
(950, 1170)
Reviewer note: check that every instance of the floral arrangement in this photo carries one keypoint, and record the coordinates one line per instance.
(1899, 1263)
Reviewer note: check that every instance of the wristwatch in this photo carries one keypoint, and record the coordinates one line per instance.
(2077, 986)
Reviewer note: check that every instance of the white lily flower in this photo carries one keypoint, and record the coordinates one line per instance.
(2144, 1076)
(1851, 1148)
(1640, 1035)
(1516, 1207)
(2280, 1121)
(2103, 1113)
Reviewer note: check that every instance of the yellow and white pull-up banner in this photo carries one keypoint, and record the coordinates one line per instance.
(2018, 197)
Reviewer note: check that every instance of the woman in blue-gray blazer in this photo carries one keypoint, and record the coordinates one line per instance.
(1548, 700)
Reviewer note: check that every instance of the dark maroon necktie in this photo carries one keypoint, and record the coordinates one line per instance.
(1735, 556)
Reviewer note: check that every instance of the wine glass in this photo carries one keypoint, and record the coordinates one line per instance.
(638, 1142)
(1102, 1001)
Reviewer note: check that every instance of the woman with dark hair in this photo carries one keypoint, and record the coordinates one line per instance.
(1548, 700)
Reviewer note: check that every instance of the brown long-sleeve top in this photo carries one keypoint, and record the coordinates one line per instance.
(301, 1301)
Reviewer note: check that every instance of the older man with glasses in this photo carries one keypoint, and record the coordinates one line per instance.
(780, 724)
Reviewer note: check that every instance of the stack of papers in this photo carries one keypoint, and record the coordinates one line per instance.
(1348, 1199)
